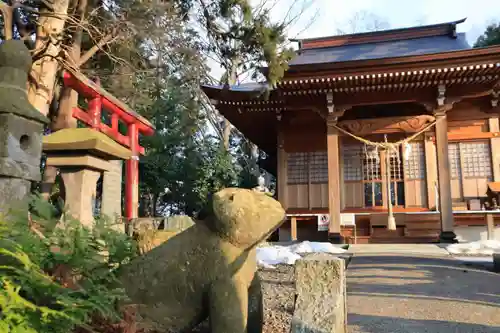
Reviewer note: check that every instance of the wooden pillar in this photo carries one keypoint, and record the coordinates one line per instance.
(494, 126)
(490, 225)
(95, 109)
(293, 228)
(132, 175)
(282, 169)
(333, 154)
(444, 180)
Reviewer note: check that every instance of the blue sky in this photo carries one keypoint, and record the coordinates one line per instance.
(335, 14)
(327, 17)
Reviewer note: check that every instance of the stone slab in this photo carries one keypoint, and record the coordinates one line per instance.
(111, 204)
(85, 139)
(410, 249)
(321, 295)
(85, 161)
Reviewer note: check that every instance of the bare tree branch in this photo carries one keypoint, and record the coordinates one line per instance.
(94, 49)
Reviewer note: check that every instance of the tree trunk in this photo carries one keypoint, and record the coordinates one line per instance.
(232, 80)
(155, 204)
(68, 99)
(226, 134)
(47, 49)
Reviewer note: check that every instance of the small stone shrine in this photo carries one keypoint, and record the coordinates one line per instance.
(206, 271)
(82, 155)
(21, 126)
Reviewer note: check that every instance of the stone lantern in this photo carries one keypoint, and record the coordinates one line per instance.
(21, 126)
(82, 155)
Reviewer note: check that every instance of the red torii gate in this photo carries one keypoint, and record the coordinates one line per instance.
(99, 99)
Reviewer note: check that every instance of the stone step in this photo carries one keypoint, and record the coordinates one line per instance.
(422, 233)
(423, 225)
(403, 240)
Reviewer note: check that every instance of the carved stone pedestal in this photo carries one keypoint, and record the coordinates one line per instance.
(82, 156)
(80, 189)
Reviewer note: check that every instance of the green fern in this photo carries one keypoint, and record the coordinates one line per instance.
(33, 298)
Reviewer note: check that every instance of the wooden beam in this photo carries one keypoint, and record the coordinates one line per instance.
(293, 228)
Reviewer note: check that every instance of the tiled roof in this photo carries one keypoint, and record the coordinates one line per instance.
(243, 87)
(389, 49)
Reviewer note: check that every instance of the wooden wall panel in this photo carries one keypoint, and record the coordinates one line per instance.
(475, 187)
(305, 132)
(354, 195)
(297, 196)
(416, 193)
(430, 172)
(456, 190)
(319, 195)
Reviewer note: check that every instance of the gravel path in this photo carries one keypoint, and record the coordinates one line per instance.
(411, 294)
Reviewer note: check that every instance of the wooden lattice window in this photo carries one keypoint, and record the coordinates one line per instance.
(371, 164)
(454, 160)
(297, 168)
(352, 156)
(318, 162)
(476, 159)
(396, 175)
(415, 161)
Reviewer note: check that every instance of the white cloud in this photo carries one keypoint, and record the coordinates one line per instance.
(326, 17)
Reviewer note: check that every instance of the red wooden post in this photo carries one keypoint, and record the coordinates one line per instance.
(94, 110)
(132, 174)
(114, 123)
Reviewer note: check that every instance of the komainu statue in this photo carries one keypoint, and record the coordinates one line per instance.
(208, 270)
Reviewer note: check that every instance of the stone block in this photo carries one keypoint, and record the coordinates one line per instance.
(496, 262)
(111, 204)
(21, 127)
(20, 147)
(80, 192)
(321, 295)
(12, 191)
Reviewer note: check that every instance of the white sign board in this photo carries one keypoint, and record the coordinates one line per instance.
(323, 222)
(347, 219)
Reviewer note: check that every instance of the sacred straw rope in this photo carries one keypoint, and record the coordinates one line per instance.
(391, 222)
(388, 145)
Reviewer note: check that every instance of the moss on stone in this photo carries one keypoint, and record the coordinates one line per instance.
(206, 270)
(85, 139)
(15, 64)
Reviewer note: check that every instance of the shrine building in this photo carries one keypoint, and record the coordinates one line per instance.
(399, 123)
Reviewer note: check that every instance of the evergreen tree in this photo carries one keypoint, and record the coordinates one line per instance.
(490, 37)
